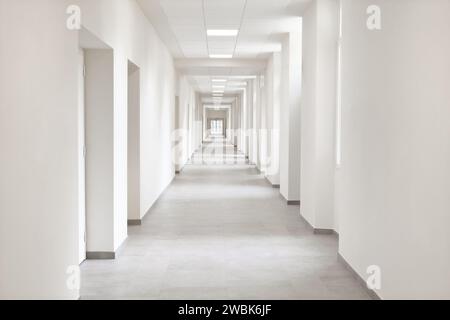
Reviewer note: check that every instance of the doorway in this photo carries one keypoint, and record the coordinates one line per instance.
(96, 145)
(134, 134)
(217, 127)
(81, 162)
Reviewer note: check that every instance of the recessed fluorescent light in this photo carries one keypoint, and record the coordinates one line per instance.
(221, 56)
(218, 87)
(222, 33)
(219, 80)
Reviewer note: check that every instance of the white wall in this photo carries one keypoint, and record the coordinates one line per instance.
(99, 117)
(318, 161)
(248, 111)
(39, 185)
(81, 160)
(133, 38)
(243, 114)
(134, 130)
(39, 158)
(393, 185)
(273, 96)
(186, 120)
(238, 119)
(257, 120)
(290, 112)
(263, 136)
(198, 121)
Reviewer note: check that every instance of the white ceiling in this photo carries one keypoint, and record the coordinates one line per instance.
(182, 26)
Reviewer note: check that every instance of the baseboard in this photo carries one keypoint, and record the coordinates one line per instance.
(100, 255)
(319, 231)
(356, 275)
(180, 170)
(136, 222)
(293, 202)
(106, 255)
(324, 231)
(275, 186)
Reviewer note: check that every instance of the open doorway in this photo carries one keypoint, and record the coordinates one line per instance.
(217, 127)
(134, 133)
(81, 161)
(96, 141)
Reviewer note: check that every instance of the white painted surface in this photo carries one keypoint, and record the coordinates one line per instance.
(273, 96)
(99, 115)
(290, 128)
(183, 25)
(394, 182)
(134, 130)
(81, 161)
(39, 157)
(133, 38)
(39, 133)
(186, 122)
(318, 113)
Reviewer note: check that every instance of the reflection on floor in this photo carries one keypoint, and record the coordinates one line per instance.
(222, 232)
(216, 150)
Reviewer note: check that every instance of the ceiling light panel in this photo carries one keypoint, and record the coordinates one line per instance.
(221, 56)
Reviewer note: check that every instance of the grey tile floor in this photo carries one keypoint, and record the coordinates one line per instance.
(220, 231)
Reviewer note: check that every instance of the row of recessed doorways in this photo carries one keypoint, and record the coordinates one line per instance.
(100, 149)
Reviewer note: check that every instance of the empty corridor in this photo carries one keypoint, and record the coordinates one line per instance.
(220, 231)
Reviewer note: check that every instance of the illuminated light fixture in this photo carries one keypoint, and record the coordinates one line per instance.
(218, 87)
(221, 56)
(218, 91)
(219, 80)
(222, 32)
